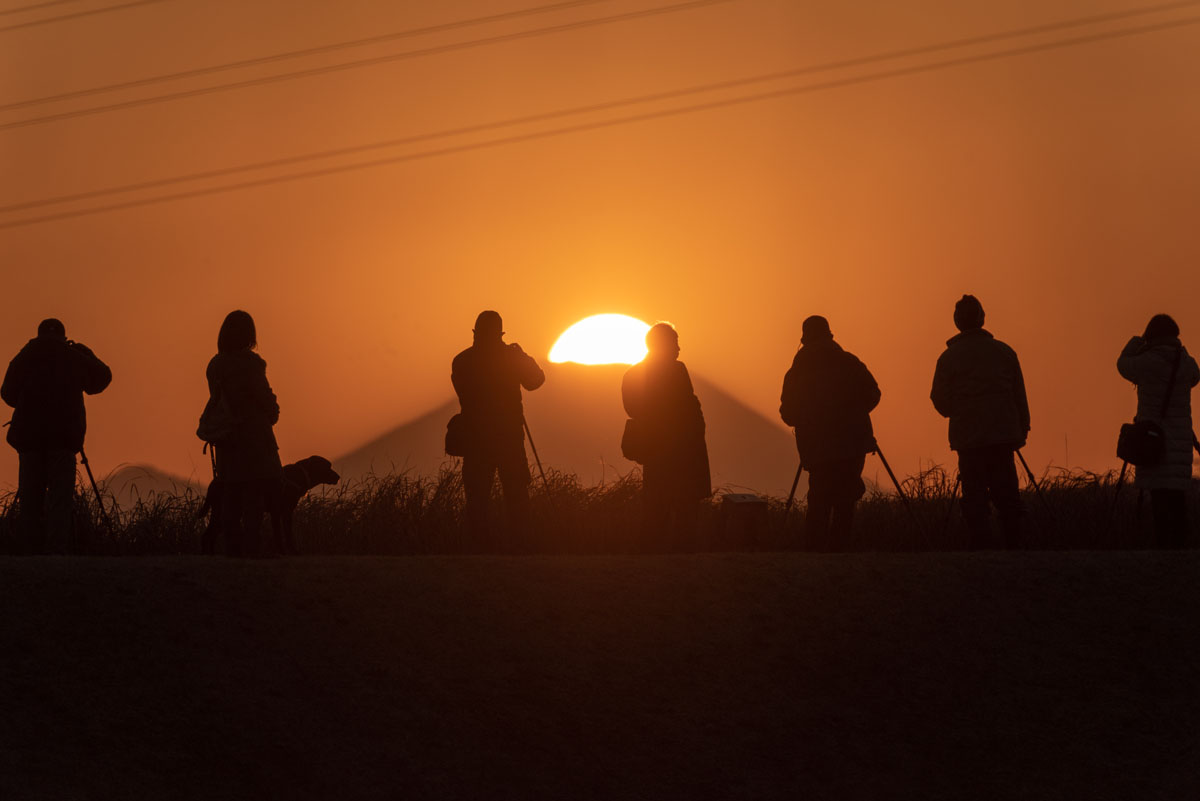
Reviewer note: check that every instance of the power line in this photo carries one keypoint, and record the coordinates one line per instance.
(311, 51)
(545, 116)
(19, 9)
(617, 121)
(77, 14)
(367, 62)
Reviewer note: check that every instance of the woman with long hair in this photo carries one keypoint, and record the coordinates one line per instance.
(247, 455)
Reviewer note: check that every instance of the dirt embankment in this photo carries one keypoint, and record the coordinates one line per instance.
(948, 676)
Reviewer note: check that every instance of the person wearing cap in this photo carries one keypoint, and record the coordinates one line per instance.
(1158, 363)
(828, 395)
(488, 377)
(979, 386)
(44, 384)
(657, 393)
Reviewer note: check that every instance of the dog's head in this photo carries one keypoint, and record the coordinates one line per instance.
(317, 470)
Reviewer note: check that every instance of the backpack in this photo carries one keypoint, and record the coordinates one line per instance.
(217, 421)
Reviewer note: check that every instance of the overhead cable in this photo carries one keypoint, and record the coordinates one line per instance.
(615, 122)
(365, 62)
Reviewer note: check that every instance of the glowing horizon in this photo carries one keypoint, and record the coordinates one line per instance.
(602, 339)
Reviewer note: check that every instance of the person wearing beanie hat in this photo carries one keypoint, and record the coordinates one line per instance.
(488, 377)
(978, 385)
(828, 395)
(1149, 362)
(45, 384)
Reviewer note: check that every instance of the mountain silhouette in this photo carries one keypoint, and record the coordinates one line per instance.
(576, 419)
(131, 483)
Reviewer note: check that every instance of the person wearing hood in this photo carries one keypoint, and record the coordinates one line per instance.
(658, 396)
(488, 377)
(247, 455)
(45, 384)
(1157, 362)
(978, 385)
(828, 395)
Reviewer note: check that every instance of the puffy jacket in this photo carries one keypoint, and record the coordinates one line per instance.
(979, 386)
(658, 393)
(44, 384)
(251, 453)
(1148, 364)
(488, 377)
(828, 395)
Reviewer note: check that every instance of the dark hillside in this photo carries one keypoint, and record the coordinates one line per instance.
(947, 676)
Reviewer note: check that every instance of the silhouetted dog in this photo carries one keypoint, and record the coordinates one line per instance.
(280, 503)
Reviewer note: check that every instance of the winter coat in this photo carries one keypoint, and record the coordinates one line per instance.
(488, 377)
(1148, 364)
(44, 384)
(828, 395)
(250, 453)
(658, 394)
(979, 386)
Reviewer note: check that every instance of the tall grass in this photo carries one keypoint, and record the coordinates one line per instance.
(404, 513)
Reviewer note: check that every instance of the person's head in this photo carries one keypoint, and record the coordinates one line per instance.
(968, 313)
(237, 332)
(1161, 326)
(489, 327)
(662, 340)
(51, 328)
(815, 329)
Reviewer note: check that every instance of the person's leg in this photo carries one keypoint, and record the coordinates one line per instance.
(32, 482)
(847, 488)
(478, 475)
(515, 479)
(973, 477)
(656, 529)
(60, 499)
(1005, 493)
(232, 502)
(685, 524)
(1170, 518)
(821, 486)
(254, 507)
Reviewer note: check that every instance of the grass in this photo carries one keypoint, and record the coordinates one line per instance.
(405, 513)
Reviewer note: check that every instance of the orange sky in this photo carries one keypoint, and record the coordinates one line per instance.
(1061, 187)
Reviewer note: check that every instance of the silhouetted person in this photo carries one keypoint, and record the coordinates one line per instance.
(488, 377)
(44, 384)
(1148, 362)
(658, 395)
(828, 395)
(247, 455)
(979, 386)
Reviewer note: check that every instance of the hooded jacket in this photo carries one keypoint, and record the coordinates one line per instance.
(1148, 364)
(45, 384)
(979, 386)
(658, 393)
(828, 395)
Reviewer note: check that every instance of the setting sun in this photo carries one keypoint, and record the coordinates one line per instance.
(602, 339)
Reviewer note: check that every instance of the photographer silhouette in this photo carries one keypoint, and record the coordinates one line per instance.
(44, 384)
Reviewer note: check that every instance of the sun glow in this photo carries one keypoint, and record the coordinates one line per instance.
(602, 339)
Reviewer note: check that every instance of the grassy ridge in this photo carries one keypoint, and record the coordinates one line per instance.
(412, 514)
